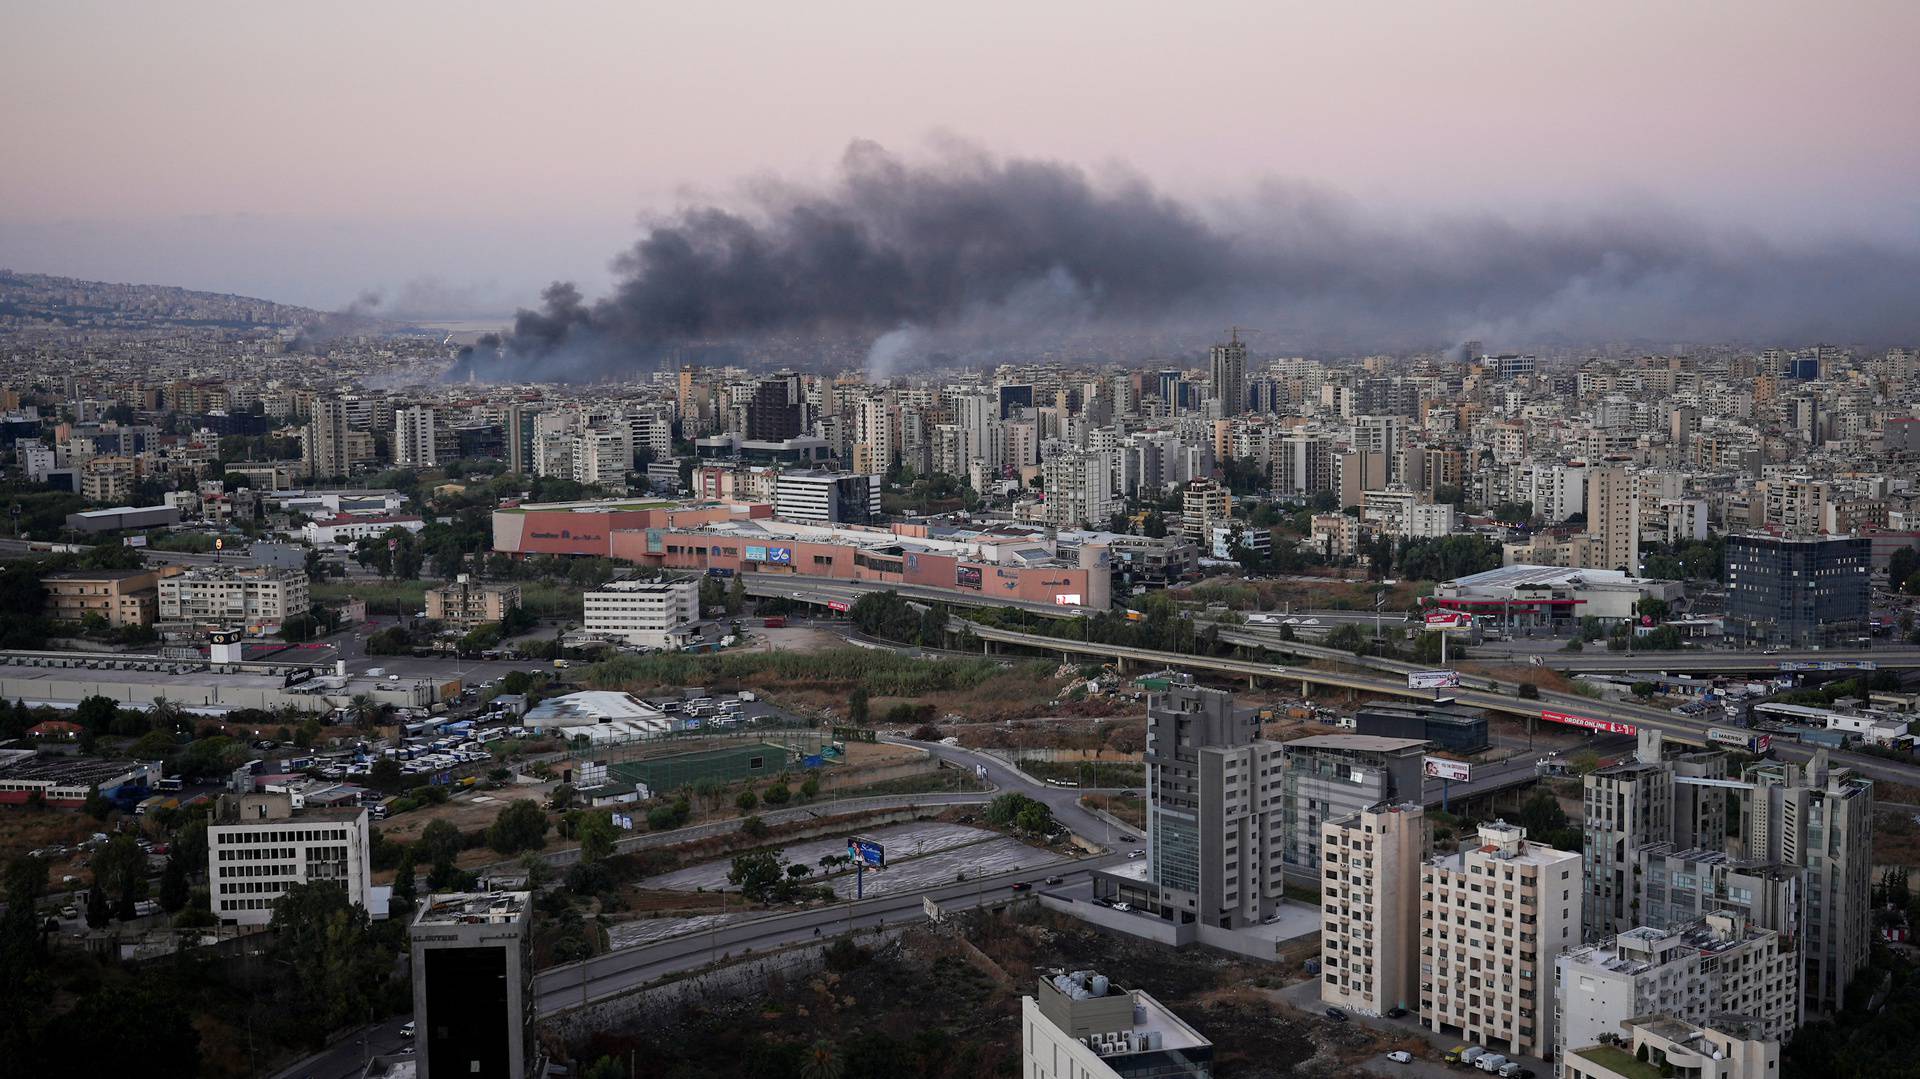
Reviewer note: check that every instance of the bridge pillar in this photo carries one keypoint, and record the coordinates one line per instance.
(1306, 690)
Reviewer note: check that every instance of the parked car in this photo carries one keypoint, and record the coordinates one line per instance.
(406, 1030)
(1336, 1014)
(1396, 1013)
(1123, 906)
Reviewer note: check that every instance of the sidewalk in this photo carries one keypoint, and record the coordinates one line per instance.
(1306, 997)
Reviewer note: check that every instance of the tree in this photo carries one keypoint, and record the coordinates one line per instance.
(405, 887)
(810, 788)
(857, 706)
(98, 912)
(96, 713)
(822, 1061)
(173, 886)
(336, 961)
(96, 806)
(756, 874)
(597, 834)
(746, 801)
(736, 594)
(754, 827)
(1016, 810)
(520, 826)
(1349, 638)
(439, 841)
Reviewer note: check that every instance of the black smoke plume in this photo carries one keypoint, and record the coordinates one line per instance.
(973, 256)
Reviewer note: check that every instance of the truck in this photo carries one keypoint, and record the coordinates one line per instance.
(1489, 1062)
(561, 664)
(1746, 741)
(775, 622)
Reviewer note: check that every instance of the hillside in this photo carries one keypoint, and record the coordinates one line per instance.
(41, 299)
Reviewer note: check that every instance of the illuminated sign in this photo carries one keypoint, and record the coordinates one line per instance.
(967, 577)
(780, 555)
(756, 554)
(866, 852)
(1606, 726)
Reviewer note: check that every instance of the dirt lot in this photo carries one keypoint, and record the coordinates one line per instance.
(24, 828)
(945, 1002)
(792, 639)
(1131, 810)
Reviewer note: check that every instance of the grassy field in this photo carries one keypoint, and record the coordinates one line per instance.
(946, 779)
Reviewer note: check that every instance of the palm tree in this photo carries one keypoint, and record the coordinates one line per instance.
(822, 1061)
(164, 716)
(364, 709)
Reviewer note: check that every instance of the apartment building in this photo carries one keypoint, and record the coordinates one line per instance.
(1211, 819)
(1613, 520)
(1640, 803)
(1819, 818)
(255, 595)
(1203, 504)
(645, 614)
(1677, 884)
(1720, 964)
(108, 479)
(1728, 1047)
(1370, 908)
(467, 603)
(259, 845)
(1493, 916)
(122, 597)
(1080, 1025)
(1079, 488)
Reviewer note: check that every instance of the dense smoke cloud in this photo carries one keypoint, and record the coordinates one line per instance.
(973, 256)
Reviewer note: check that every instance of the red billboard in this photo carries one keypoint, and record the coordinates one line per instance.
(1605, 726)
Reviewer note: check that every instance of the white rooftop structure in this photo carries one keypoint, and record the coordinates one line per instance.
(599, 715)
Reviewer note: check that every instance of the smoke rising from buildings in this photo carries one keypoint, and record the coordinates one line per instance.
(965, 254)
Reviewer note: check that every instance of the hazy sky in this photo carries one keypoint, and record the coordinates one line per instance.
(464, 154)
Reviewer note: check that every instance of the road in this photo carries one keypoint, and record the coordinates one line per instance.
(348, 1057)
(559, 988)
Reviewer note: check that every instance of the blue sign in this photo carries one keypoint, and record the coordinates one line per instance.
(866, 852)
(780, 555)
(756, 554)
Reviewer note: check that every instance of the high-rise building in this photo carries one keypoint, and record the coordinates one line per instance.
(1079, 488)
(1820, 819)
(519, 436)
(1210, 814)
(1499, 911)
(1228, 364)
(777, 410)
(1325, 776)
(1640, 803)
(1613, 520)
(1370, 908)
(415, 437)
(324, 441)
(1797, 591)
(473, 985)
(1080, 1025)
(1717, 965)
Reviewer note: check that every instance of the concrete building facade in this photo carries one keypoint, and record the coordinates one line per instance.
(1370, 908)
(259, 845)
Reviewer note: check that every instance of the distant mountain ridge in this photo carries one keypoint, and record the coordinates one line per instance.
(30, 297)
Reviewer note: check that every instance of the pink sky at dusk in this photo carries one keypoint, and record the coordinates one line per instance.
(308, 151)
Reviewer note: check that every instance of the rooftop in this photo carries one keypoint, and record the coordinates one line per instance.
(473, 908)
(1359, 743)
(1549, 576)
(593, 706)
(96, 574)
(1618, 1061)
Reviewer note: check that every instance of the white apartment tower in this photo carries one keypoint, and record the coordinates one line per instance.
(1498, 911)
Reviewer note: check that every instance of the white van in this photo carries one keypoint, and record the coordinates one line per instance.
(1490, 1062)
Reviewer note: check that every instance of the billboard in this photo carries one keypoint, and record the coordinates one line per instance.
(780, 556)
(1605, 726)
(1452, 771)
(839, 605)
(622, 820)
(756, 554)
(967, 577)
(866, 852)
(1433, 679)
(1445, 619)
(1067, 599)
